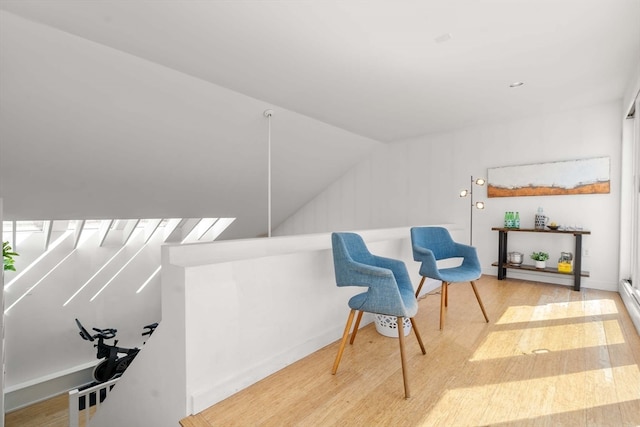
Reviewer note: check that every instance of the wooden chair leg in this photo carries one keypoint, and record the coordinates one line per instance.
(420, 286)
(475, 291)
(418, 337)
(407, 394)
(356, 327)
(345, 335)
(443, 302)
(446, 295)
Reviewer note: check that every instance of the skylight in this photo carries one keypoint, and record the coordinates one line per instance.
(57, 240)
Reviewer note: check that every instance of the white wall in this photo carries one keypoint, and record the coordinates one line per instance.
(234, 312)
(418, 181)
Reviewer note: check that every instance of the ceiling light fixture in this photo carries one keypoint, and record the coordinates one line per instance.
(516, 84)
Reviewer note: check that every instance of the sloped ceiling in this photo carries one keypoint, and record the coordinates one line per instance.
(148, 109)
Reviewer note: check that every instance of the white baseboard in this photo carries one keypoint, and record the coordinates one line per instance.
(203, 399)
(630, 302)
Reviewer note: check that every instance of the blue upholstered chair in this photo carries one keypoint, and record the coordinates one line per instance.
(431, 244)
(389, 290)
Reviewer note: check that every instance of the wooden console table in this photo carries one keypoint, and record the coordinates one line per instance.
(503, 263)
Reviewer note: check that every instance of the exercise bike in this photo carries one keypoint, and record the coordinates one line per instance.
(116, 359)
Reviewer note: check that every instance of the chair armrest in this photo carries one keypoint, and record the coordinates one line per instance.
(384, 294)
(353, 273)
(394, 265)
(429, 268)
(371, 270)
(464, 250)
(419, 251)
(385, 290)
(399, 269)
(469, 253)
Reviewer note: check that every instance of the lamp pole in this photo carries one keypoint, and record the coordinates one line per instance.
(471, 214)
(268, 114)
(477, 205)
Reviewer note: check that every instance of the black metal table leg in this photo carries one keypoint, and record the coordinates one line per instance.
(502, 254)
(577, 268)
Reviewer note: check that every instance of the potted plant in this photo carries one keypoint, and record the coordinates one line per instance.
(7, 255)
(540, 258)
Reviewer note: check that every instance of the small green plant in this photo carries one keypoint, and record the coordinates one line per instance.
(540, 256)
(8, 254)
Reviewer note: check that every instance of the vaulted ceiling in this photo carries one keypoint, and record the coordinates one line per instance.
(152, 109)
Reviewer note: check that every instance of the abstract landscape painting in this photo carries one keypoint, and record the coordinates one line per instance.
(585, 176)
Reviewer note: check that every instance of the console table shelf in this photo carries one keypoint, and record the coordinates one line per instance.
(532, 267)
(503, 265)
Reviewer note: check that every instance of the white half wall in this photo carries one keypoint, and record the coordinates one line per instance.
(234, 312)
(418, 181)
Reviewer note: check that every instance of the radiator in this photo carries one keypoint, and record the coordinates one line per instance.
(85, 401)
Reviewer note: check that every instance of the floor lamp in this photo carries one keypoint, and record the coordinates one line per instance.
(477, 205)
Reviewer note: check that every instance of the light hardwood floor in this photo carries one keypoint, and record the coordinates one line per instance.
(49, 413)
(549, 356)
(53, 412)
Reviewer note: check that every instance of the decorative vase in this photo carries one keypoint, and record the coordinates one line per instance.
(388, 325)
(541, 264)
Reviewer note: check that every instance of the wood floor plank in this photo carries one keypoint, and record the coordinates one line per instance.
(194, 421)
(52, 412)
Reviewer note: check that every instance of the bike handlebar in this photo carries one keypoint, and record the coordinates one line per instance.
(152, 327)
(106, 334)
(109, 333)
(83, 332)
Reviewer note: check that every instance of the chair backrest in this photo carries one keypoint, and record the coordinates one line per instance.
(347, 248)
(436, 239)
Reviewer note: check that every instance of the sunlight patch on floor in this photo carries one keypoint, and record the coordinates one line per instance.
(552, 311)
(531, 398)
(518, 342)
